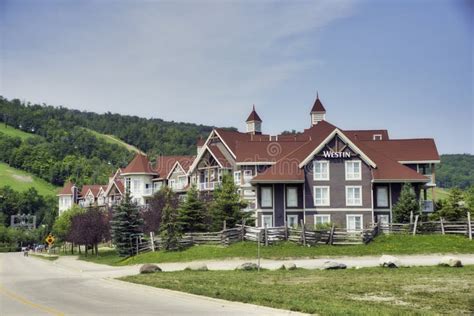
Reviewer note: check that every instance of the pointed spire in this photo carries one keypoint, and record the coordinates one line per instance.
(254, 116)
(318, 106)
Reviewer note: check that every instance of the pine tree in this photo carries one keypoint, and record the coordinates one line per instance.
(227, 205)
(170, 227)
(453, 207)
(192, 212)
(407, 203)
(126, 226)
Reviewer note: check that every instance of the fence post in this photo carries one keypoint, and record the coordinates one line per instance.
(303, 233)
(442, 225)
(411, 217)
(258, 249)
(242, 233)
(469, 225)
(331, 235)
(266, 234)
(152, 241)
(137, 244)
(414, 226)
(286, 230)
(224, 226)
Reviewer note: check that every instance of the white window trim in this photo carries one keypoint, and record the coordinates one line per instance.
(288, 188)
(361, 222)
(292, 216)
(263, 219)
(347, 195)
(239, 174)
(329, 194)
(377, 137)
(271, 197)
(314, 170)
(321, 216)
(360, 170)
(248, 173)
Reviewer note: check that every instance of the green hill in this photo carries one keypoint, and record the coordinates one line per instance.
(111, 139)
(20, 180)
(13, 132)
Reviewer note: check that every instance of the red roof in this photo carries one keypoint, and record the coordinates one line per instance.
(67, 189)
(318, 106)
(217, 153)
(165, 164)
(366, 134)
(140, 164)
(406, 149)
(254, 116)
(95, 188)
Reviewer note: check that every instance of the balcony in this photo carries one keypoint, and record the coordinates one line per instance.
(427, 206)
(178, 186)
(208, 186)
(431, 183)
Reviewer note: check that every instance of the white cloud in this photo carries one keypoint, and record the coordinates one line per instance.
(203, 62)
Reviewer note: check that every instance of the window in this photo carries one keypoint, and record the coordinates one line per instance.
(291, 197)
(136, 186)
(321, 170)
(322, 219)
(267, 220)
(157, 186)
(321, 196)
(383, 219)
(354, 222)
(172, 183)
(182, 180)
(267, 197)
(353, 170)
(292, 221)
(377, 137)
(382, 197)
(237, 176)
(247, 173)
(353, 195)
(128, 184)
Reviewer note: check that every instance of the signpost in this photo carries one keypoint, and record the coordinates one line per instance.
(50, 240)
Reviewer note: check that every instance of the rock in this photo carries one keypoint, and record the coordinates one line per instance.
(290, 266)
(149, 268)
(197, 267)
(332, 265)
(450, 262)
(389, 261)
(248, 266)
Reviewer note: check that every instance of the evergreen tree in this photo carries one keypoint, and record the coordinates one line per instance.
(227, 205)
(170, 226)
(192, 212)
(453, 207)
(469, 198)
(407, 203)
(126, 226)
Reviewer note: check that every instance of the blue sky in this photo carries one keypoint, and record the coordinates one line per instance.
(402, 65)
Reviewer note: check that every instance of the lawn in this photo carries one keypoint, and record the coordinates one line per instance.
(21, 181)
(367, 291)
(111, 139)
(13, 132)
(440, 193)
(384, 244)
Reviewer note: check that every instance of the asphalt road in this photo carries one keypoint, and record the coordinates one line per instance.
(32, 286)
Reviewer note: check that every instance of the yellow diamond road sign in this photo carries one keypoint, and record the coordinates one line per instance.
(50, 239)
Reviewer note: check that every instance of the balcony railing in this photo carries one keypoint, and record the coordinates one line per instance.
(427, 206)
(206, 186)
(178, 186)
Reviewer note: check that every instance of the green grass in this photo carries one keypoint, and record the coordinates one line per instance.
(111, 139)
(45, 257)
(440, 193)
(367, 291)
(384, 244)
(13, 132)
(21, 181)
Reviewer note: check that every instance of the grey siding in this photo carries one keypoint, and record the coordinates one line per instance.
(338, 218)
(279, 204)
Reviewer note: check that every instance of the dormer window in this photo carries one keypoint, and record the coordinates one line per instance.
(377, 137)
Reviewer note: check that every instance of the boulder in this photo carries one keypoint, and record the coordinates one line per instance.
(197, 267)
(450, 262)
(248, 266)
(290, 266)
(332, 265)
(389, 261)
(149, 268)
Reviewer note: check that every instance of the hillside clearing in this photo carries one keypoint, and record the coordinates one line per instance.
(21, 181)
(13, 132)
(111, 139)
